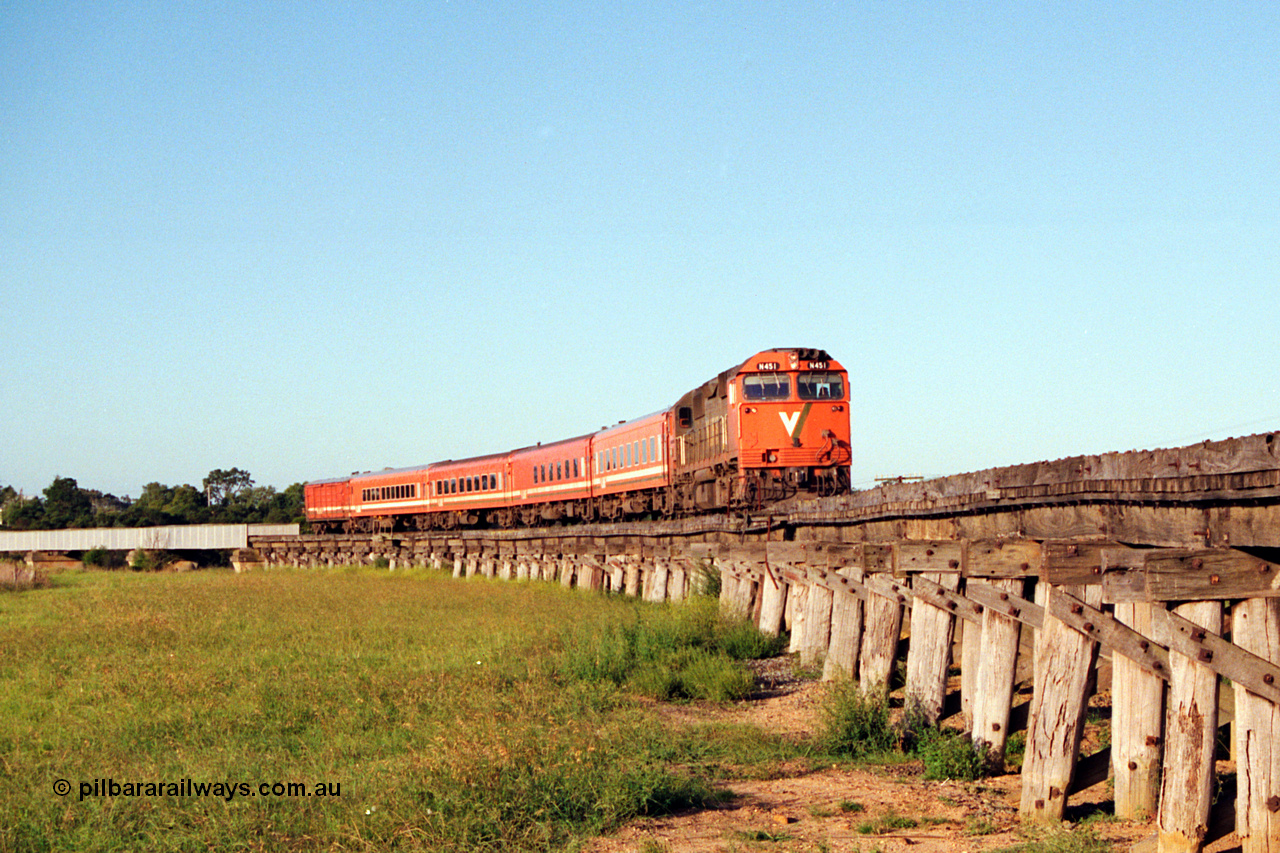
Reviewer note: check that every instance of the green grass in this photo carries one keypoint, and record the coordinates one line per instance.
(689, 652)
(858, 726)
(951, 754)
(890, 821)
(449, 714)
(1080, 840)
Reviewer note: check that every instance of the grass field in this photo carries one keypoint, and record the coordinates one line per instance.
(417, 712)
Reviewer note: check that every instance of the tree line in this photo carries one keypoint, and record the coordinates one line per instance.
(225, 497)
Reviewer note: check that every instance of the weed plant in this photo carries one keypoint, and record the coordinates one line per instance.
(1079, 840)
(858, 726)
(438, 714)
(890, 821)
(951, 754)
(685, 651)
(854, 724)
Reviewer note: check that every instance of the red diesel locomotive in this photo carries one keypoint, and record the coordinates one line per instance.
(774, 425)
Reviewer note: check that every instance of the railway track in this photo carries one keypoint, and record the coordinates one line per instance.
(1211, 494)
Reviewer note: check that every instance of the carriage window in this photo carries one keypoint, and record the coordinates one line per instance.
(559, 471)
(820, 386)
(766, 386)
(575, 468)
(653, 448)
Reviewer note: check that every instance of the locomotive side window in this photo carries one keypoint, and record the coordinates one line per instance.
(820, 386)
(766, 386)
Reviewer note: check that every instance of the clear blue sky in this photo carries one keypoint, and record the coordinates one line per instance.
(308, 239)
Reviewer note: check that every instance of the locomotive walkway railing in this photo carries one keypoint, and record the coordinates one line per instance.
(1164, 563)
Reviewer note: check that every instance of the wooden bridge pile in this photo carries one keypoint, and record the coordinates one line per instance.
(1164, 564)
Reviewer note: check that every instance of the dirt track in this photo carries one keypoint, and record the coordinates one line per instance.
(824, 810)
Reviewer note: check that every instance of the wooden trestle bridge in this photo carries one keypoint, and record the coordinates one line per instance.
(1165, 563)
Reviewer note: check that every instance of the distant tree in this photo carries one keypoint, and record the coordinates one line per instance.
(154, 496)
(23, 514)
(287, 507)
(187, 505)
(105, 503)
(149, 509)
(221, 487)
(66, 505)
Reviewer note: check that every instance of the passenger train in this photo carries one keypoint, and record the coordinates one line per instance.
(775, 425)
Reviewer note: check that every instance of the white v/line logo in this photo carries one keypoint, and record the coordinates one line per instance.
(790, 422)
